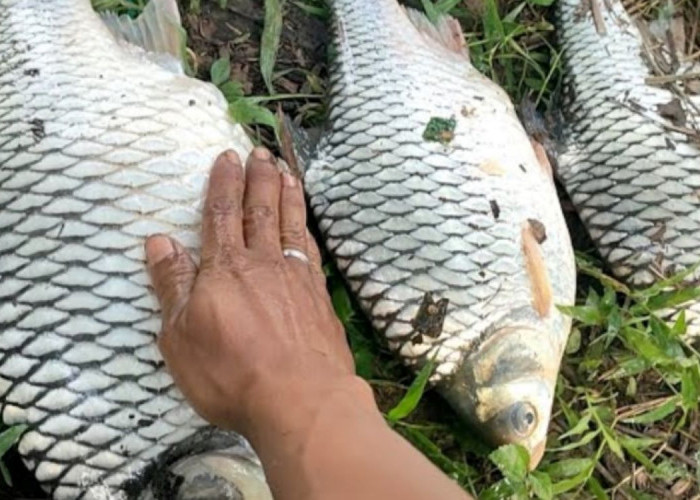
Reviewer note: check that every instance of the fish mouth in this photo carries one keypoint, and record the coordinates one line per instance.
(505, 388)
(211, 464)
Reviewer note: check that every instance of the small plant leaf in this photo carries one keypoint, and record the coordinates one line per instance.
(541, 485)
(413, 396)
(220, 71)
(247, 112)
(9, 437)
(655, 414)
(270, 40)
(512, 460)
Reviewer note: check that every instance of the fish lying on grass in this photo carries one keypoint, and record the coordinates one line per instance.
(432, 201)
(631, 158)
(100, 146)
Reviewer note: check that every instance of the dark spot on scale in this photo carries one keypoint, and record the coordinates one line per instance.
(192, 102)
(131, 415)
(37, 128)
(101, 77)
(538, 230)
(495, 209)
(32, 72)
(479, 98)
(670, 144)
(522, 167)
(429, 318)
(482, 273)
(145, 422)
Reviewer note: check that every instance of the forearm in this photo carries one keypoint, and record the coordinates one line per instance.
(342, 450)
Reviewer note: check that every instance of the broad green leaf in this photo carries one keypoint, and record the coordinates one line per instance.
(543, 3)
(580, 427)
(247, 112)
(512, 460)
(634, 451)
(270, 40)
(413, 396)
(655, 414)
(541, 485)
(341, 303)
(232, 90)
(679, 326)
(571, 483)
(220, 71)
(493, 28)
(569, 467)
(588, 315)
(9, 437)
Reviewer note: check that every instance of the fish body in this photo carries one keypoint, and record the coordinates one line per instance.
(100, 146)
(439, 215)
(632, 172)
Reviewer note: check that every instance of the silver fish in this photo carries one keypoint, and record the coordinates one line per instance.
(433, 203)
(101, 144)
(631, 171)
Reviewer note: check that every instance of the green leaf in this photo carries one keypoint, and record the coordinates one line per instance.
(413, 396)
(493, 28)
(656, 414)
(580, 427)
(569, 467)
(247, 112)
(543, 3)
(596, 489)
(270, 40)
(587, 438)
(5, 475)
(430, 11)
(232, 91)
(512, 460)
(341, 303)
(611, 441)
(9, 437)
(220, 71)
(690, 387)
(673, 298)
(541, 485)
(574, 482)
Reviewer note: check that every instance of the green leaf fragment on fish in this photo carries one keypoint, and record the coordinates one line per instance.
(440, 130)
(413, 396)
(8, 438)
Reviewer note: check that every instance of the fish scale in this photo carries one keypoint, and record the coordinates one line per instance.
(634, 179)
(406, 218)
(99, 148)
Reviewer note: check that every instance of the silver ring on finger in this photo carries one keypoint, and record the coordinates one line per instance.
(296, 254)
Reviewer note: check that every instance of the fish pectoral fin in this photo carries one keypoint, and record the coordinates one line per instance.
(158, 31)
(446, 31)
(297, 144)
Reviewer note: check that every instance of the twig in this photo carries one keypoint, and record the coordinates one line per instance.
(660, 80)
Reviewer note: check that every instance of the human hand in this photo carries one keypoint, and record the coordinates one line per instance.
(250, 334)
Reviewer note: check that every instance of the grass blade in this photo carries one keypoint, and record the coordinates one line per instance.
(270, 40)
(413, 396)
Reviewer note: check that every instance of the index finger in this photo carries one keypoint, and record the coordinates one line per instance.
(222, 224)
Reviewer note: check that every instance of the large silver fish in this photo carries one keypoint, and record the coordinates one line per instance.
(437, 211)
(101, 144)
(633, 172)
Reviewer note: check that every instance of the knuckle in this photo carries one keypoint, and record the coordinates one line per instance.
(259, 214)
(222, 206)
(293, 232)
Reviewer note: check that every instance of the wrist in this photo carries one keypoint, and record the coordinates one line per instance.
(289, 412)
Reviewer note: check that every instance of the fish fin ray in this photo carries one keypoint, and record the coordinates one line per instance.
(297, 144)
(158, 31)
(446, 31)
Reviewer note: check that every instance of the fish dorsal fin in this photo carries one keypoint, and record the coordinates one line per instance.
(446, 31)
(158, 31)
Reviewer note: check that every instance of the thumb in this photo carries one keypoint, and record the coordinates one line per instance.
(172, 272)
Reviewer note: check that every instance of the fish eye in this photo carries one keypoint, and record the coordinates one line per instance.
(523, 418)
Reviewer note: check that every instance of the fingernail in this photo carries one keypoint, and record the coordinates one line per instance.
(289, 180)
(158, 248)
(261, 153)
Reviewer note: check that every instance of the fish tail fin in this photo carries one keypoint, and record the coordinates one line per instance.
(158, 31)
(446, 31)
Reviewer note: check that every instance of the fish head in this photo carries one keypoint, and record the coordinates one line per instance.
(505, 387)
(219, 466)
